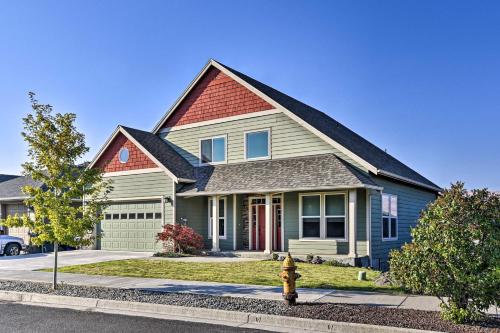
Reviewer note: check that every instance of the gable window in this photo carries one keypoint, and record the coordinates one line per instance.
(213, 150)
(123, 155)
(222, 218)
(257, 145)
(389, 217)
(323, 216)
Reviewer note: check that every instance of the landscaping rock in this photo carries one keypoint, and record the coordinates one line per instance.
(317, 260)
(405, 318)
(384, 279)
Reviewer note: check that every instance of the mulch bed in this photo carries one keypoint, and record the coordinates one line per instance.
(365, 314)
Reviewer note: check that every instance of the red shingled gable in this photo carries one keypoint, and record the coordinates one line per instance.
(110, 162)
(216, 96)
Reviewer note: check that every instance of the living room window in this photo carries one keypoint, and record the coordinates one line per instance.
(213, 150)
(222, 218)
(323, 216)
(335, 216)
(389, 217)
(257, 145)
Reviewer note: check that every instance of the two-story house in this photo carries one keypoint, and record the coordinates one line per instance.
(250, 168)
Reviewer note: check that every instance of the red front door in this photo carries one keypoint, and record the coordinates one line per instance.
(261, 211)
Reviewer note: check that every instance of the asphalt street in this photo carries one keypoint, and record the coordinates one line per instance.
(20, 318)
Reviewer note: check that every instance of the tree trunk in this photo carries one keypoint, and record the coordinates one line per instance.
(54, 277)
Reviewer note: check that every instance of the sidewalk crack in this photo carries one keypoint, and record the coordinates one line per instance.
(404, 300)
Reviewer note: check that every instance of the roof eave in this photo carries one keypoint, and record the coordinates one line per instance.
(261, 191)
(409, 181)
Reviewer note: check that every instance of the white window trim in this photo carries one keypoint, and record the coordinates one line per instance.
(345, 216)
(210, 220)
(268, 130)
(322, 217)
(212, 138)
(389, 239)
(250, 220)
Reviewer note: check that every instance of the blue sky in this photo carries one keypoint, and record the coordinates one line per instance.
(418, 78)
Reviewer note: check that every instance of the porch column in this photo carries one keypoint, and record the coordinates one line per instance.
(215, 223)
(353, 253)
(235, 221)
(269, 224)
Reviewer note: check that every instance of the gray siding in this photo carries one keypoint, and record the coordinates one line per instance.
(318, 247)
(411, 201)
(129, 189)
(154, 184)
(288, 138)
(195, 210)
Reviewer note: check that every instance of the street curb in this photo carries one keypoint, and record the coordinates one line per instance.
(240, 318)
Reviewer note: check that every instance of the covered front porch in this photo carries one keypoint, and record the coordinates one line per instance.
(315, 205)
(332, 223)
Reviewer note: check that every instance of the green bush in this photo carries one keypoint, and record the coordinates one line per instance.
(455, 253)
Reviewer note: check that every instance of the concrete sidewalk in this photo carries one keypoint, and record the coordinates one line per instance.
(234, 290)
(28, 262)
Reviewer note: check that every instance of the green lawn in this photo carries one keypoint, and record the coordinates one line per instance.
(250, 272)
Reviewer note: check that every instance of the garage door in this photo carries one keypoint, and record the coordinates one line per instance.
(131, 226)
(22, 232)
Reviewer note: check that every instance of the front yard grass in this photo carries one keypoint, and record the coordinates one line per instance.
(249, 272)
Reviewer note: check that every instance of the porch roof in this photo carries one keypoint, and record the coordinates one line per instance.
(281, 175)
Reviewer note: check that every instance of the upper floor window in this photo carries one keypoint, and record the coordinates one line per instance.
(257, 145)
(213, 150)
(389, 217)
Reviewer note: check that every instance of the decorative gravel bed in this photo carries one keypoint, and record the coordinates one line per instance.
(406, 318)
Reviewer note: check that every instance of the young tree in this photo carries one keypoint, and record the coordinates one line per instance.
(70, 203)
(455, 254)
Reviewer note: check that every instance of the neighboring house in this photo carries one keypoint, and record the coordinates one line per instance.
(277, 174)
(12, 202)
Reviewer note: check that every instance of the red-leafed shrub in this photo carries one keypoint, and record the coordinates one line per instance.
(180, 238)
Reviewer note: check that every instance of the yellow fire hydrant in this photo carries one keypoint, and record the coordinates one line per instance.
(289, 276)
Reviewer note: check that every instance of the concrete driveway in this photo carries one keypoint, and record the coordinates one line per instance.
(31, 262)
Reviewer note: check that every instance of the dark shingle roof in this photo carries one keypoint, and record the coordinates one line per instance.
(337, 132)
(309, 172)
(7, 177)
(163, 152)
(12, 188)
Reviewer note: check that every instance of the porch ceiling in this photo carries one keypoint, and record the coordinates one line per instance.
(282, 175)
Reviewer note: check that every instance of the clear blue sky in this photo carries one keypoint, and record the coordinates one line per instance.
(418, 78)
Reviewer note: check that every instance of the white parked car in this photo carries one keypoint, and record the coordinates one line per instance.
(11, 246)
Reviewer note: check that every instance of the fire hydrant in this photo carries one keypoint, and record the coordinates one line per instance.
(289, 276)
